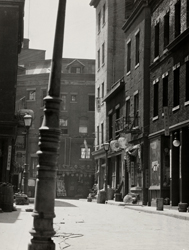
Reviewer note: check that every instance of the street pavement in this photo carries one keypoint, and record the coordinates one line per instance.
(90, 226)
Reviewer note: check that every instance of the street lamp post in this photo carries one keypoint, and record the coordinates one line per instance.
(49, 143)
(106, 146)
(27, 123)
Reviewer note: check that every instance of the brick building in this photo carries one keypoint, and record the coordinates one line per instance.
(169, 172)
(136, 77)
(75, 167)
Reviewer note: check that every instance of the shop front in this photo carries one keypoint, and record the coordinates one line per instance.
(159, 168)
(74, 181)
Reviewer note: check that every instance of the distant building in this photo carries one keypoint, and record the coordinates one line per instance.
(75, 174)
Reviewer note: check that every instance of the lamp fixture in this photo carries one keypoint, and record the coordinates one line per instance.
(106, 146)
(176, 141)
(27, 120)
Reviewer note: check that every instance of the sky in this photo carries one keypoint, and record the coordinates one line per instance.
(79, 33)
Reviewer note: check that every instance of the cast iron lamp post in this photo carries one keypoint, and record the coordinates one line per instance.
(27, 124)
(106, 146)
(49, 140)
(182, 207)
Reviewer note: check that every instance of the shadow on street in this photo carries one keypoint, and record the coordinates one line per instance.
(63, 204)
(10, 217)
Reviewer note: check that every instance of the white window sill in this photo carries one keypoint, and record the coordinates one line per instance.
(155, 118)
(176, 108)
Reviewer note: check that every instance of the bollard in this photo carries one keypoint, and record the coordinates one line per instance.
(159, 204)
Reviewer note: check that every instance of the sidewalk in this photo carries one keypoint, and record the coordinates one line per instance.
(167, 210)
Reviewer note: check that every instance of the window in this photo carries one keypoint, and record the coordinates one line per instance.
(104, 14)
(85, 153)
(98, 59)
(156, 97)
(75, 70)
(102, 133)
(177, 18)
(165, 91)
(103, 48)
(136, 109)
(98, 137)
(98, 92)
(176, 80)
(110, 127)
(187, 82)
(156, 40)
(102, 89)
(99, 21)
(127, 111)
(63, 125)
(117, 113)
(31, 95)
(83, 126)
(166, 30)
(43, 94)
(91, 103)
(129, 56)
(73, 98)
(64, 102)
(137, 47)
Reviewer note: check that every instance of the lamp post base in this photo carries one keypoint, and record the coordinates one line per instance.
(182, 207)
(41, 244)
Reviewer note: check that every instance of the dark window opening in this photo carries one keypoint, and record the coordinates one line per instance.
(137, 48)
(156, 47)
(176, 92)
(136, 110)
(177, 18)
(127, 111)
(129, 57)
(156, 95)
(165, 91)
(166, 30)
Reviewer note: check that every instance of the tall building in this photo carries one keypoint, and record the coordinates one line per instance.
(75, 174)
(11, 28)
(109, 88)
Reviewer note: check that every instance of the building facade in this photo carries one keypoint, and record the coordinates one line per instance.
(136, 76)
(169, 173)
(75, 175)
(110, 16)
(11, 27)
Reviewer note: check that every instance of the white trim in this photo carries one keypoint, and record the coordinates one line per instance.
(136, 92)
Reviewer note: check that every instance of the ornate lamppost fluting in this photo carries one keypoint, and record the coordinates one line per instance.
(27, 124)
(43, 213)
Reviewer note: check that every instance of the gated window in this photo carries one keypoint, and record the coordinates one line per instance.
(156, 97)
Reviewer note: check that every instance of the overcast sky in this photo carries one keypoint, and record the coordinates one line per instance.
(79, 37)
